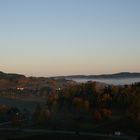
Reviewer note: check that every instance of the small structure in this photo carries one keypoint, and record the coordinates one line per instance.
(20, 88)
(117, 133)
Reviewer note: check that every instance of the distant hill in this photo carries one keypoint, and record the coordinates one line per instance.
(12, 80)
(10, 76)
(104, 76)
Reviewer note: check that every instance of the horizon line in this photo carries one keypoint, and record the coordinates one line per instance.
(66, 75)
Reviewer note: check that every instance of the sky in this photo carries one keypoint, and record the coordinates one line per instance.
(69, 37)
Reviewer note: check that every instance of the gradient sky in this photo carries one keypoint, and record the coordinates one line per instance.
(63, 37)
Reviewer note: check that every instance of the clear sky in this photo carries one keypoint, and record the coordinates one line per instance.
(64, 37)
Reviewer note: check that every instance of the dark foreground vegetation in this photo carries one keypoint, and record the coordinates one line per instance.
(85, 107)
(56, 136)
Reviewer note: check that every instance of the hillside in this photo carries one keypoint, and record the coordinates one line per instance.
(10, 80)
(10, 76)
(104, 76)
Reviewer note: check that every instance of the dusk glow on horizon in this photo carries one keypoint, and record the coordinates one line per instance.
(69, 37)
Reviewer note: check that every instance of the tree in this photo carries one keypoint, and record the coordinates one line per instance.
(41, 115)
(106, 113)
(97, 116)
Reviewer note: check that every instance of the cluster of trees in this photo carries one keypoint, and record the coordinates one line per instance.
(85, 99)
(41, 114)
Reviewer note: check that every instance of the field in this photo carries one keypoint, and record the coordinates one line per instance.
(29, 104)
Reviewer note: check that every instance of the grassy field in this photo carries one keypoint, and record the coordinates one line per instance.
(29, 104)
